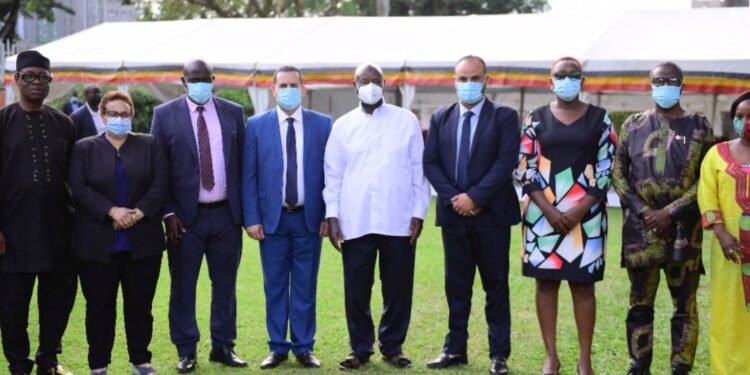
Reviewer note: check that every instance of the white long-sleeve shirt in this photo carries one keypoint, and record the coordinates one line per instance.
(374, 183)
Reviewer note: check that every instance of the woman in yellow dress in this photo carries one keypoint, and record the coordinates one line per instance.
(724, 199)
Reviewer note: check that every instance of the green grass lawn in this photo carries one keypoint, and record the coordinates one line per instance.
(428, 325)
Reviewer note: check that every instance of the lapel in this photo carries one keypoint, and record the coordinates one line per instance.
(306, 142)
(451, 127)
(274, 129)
(184, 120)
(484, 119)
(226, 130)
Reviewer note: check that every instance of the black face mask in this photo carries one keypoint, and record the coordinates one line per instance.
(95, 100)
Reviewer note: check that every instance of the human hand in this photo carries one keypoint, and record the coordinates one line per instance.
(323, 229)
(729, 245)
(334, 233)
(255, 232)
(556, 219)
(463, 205)
(122, 218)
(657, 220)
(415, 229)
(175, 229)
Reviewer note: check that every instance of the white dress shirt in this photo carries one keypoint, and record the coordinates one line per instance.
(215, 137)
(100, 127)
(374, 182)
(298, 138)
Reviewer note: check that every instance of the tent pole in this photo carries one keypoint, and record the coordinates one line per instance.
(714, 105)
(522, 110)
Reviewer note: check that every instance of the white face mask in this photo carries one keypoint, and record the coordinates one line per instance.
(370, 93)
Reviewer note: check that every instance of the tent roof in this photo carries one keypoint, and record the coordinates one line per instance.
(617, 48)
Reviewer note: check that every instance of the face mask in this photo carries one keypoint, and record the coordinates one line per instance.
(742, 127)
(566, 89)
(200, 92)
(73, 99)
(470, 92)
(370, 93)
(95, 100)
(666, 96)
(118, 127)
(289, 98)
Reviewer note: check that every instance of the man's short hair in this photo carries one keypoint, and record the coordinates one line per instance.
(567, 58)
(671, 65)
(475, 58)
(287, 68)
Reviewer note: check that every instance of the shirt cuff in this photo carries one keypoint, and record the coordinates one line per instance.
(167, 215)
(711, 217)
(332, 211)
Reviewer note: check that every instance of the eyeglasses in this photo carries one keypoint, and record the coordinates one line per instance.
(658, 81)
(113, 114)
(31, 77)
(571, 75)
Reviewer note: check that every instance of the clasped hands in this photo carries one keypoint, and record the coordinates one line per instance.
(124, 218)
(658, 221)
(464, 205)
(563, 222)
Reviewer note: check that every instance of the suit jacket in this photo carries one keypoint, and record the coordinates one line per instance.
(263, 169)
(68, 108)
(92, 181)
(85, 126)
(492, 158)
(173, 130)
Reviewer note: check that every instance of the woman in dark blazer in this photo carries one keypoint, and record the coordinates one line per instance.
(119, 184)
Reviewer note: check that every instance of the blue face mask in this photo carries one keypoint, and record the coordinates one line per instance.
(566, 89)
(666, 96)
(289, 98)
(739, 126)
(118, 127)
(470, 92)
(200, 92)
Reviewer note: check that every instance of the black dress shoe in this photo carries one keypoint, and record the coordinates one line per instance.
(308, 359)
(55, 370)
(187, 364)
(226, 356)
(445, 360)
(635, 370)
(399, 360)
(498, 366)
(274, 359)
(353, 362)
(680, 370)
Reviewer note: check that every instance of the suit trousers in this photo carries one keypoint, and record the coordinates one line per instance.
(213, 234)
(290, 255)
(468, 248)
(100, 283)
(396, 261)
(56, 294)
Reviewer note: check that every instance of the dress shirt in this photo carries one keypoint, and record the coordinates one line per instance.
(219, 192)
(100, 127)
(459, 129)
(374, 182)
(298, 137)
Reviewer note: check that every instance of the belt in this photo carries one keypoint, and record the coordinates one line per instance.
(292, 209)
(216, 204)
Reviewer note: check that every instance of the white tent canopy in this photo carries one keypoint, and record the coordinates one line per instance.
(418, 53)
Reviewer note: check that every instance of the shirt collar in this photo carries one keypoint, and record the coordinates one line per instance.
(297, 115)
(207, 106)
(381, 107)
(476, 110)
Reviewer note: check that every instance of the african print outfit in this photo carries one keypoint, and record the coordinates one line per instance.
(566, 163)
(657, 167)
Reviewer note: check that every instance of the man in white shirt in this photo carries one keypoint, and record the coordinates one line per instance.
(376, 198)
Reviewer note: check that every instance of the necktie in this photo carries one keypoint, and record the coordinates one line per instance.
(462, 174)
(291, 164)
(204, 151)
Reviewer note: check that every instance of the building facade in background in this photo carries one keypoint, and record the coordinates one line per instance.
(88, 13)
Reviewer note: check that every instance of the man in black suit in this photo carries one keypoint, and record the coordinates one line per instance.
(86, 118)
(471, 151)
(202, 136)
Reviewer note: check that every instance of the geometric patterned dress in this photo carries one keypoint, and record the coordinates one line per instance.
(566, 163)
(724, 197)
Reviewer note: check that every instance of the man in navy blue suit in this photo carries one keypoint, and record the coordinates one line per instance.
(469, 158)
(86, 119)
(282, 190)
(202, 136)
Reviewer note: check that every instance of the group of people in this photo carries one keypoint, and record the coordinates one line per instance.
(87, 199)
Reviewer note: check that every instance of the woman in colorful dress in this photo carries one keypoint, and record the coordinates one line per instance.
(724, 200)
(565, 162)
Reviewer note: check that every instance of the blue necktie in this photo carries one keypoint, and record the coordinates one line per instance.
(291, 165)
(462, 175)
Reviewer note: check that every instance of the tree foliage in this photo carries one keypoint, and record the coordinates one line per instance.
(41, 9)
(187, 9)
